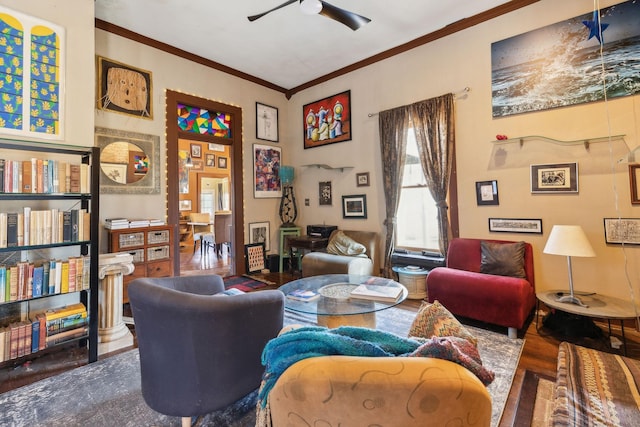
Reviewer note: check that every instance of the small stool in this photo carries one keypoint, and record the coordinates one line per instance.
(414, 279)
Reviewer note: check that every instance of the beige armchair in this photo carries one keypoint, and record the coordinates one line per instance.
(318, 263)
(382, 391)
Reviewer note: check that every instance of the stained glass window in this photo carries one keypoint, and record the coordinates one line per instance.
(30, 75)
(204, 122)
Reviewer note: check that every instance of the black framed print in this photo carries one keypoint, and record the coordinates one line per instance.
(324, 196)
(487, 193)
(254, 257)
(354, 206)
(515, 225)
(554, 178)
(266, 122)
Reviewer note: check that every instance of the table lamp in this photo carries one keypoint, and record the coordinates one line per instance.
(569, 240)
(288, 208)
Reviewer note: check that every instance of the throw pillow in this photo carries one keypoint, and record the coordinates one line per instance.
(341, 244)
(435, 320)
(503, 259)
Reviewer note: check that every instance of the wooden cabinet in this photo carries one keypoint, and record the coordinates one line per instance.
(151, 248)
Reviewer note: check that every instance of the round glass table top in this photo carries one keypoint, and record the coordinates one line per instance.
(334, 295)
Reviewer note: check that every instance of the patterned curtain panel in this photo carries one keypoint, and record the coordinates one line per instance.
(433, 123)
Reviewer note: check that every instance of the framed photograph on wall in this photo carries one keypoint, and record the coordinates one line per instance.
(211, 160)
(324, 189)
(487, 193)
(622, 230)
(515, 225)
(266, 122)
(634, 180)
(254, 257)
(362, 179)
(222, 162)
(259, 233)
(327, 120)
(196, 151)
(354, 206)
(184, 205)
(554, 178)
(266, 166)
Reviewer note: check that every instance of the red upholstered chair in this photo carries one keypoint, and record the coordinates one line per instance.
(465, 291)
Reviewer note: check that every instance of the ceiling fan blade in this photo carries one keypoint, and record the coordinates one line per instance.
(287, 3)
(350, 19)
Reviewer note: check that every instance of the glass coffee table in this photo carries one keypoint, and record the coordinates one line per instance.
(334, 307)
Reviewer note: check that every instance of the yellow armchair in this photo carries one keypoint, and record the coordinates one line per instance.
(383, 391)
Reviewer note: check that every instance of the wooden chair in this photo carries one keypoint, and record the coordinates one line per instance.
(202, 229)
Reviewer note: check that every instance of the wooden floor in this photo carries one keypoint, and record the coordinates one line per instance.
(538, 355)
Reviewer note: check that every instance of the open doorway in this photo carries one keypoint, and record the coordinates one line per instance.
(219, 124)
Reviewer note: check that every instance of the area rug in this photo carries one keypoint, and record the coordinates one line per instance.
(244, 283)
(107, 393)
(535, 401)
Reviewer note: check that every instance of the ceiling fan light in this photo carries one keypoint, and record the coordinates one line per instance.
(310, 7)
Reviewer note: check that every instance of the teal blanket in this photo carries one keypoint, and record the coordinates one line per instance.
(314, 341)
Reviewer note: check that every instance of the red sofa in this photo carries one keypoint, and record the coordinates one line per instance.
(465, 291)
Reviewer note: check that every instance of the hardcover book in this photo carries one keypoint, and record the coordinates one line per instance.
(377, 293)
(303, 295)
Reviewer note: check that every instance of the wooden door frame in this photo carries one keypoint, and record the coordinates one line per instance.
(237, 197)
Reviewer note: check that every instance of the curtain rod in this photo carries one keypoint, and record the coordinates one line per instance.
(465, 90)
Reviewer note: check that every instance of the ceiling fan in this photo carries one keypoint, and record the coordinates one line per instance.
(350, 19)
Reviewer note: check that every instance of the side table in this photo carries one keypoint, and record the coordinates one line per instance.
(285, 232)
(414, 279)
(598, 307)
(309, 243)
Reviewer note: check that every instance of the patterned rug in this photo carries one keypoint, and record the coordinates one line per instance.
(245, 283)
(107, 393)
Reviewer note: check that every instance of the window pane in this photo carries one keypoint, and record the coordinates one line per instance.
(417, 220)
(417, 217)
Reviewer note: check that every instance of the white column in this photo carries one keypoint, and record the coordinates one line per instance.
(113, 333)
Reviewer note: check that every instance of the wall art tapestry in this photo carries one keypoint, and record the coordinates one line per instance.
(327, 121)
(559, 65)
(266, 169)
(32, 59)
(124, 89)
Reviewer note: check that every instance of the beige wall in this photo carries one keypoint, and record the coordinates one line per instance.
(464, 60)
(446, 65)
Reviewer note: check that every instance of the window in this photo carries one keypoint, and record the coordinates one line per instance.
(417, 216)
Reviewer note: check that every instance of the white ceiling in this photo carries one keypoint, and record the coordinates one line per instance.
(286, 47)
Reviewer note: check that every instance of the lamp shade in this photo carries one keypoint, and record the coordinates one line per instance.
(286, 175)
(568, 240)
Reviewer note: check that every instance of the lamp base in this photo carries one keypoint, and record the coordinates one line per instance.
(571, 299)
(287, 225)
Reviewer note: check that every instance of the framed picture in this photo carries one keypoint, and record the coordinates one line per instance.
(266, 122)
(324, 193)
(254, 257)
(216, 147)
(487, 193)
(196, 151)
(222, 162)
(515, 225)
(266, 165)
(622, 230)
(354, 206)
(327, 121)
(634, 179)
(211, 160)
(198, 166)
(362, 179)
(554, 178)
(259, 233)
(115, 171)
(113, 77)
(184, 205)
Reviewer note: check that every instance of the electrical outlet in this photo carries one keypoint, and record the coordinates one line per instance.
(306, 202)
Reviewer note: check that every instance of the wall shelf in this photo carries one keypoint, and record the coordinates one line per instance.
(586, 141)
(324, 166)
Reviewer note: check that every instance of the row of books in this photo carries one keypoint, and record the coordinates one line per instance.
(43, 330)
(44, 176)
(27, 280)
(122, 223)
(43, 227)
